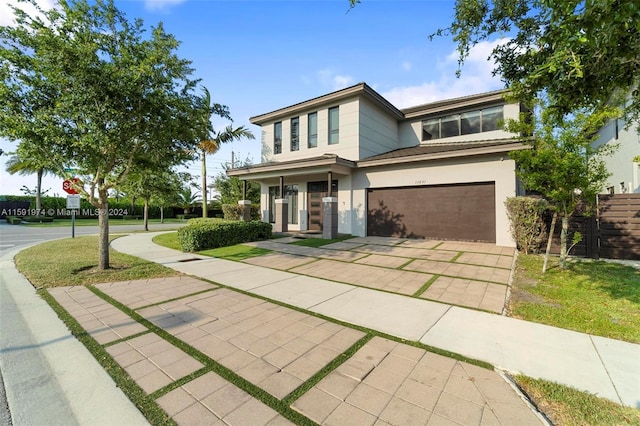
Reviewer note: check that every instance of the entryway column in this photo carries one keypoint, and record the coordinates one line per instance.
(245, 210)
(329, 218)
(282, 215)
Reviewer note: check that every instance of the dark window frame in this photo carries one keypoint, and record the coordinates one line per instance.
(277, 137)
(312, 137)
(295, 134)
(334, 131)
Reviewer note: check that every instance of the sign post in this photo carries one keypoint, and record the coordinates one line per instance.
(73, 203)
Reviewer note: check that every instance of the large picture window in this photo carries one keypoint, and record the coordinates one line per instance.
(334, 125)
(466, 123)
(277, 138)
(312, 131)
(295, 134)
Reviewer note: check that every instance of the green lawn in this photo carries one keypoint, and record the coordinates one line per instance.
(597, 298)
(567, 406)
(74, 261)
(169, 239)
(237, 252)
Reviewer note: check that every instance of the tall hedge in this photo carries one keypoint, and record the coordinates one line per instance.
(234, 211)
(527, 222)
(203, 234)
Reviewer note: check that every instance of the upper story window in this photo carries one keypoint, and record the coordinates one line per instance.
(466, 123)
(295, 134)
(312, 123)
(277, 137)
(334, 125)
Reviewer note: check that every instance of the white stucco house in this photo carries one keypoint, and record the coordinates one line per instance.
(439, 170)
(625, 173)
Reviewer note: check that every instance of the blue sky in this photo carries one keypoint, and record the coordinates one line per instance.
(259, 55)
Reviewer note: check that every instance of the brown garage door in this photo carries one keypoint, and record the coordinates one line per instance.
(451, 212)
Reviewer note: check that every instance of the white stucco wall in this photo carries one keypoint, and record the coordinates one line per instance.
(620, 164)
(348, 139)
(378, 130)
(498, 169)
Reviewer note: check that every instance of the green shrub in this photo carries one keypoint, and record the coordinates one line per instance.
(202, 234)
(38, 219)
(526, 222)
(14, 220)
(234, 211)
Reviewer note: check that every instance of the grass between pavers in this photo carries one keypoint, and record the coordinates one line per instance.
(210, 365)
(598, 298)
(147, 405)
(319, 242)
(564, 405)
(74, 261)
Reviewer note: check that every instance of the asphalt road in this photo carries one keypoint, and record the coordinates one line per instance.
(41, 384)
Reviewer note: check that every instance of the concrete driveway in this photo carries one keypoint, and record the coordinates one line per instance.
(473, 275)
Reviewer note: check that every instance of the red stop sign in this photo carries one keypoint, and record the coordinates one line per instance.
(67, 185)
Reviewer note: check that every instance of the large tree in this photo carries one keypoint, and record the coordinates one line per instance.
(121, 96)
(24, 164)
(562, 165)
(582, 54)
(210, 140)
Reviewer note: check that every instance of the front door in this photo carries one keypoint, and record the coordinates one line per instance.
(316, 191)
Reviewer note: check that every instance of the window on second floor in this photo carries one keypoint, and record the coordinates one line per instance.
(334, 125)
(466, 123)
(295, 134)
(277, 137)
(312, 123)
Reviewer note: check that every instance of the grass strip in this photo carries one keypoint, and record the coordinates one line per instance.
(565, 405)
(169, 240)
(319, 242)
(326, 370)
(425, 286)
(236, 253)
(456, 257)
(175, 385)
(213, 365)
(124, 339)
(147, 405)
(404, 264)
(177, 298)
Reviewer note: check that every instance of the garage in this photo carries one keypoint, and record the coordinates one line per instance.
(449, 212)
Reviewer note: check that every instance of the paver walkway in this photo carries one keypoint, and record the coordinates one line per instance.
(278, 350)
(605, 367)
(473, 275)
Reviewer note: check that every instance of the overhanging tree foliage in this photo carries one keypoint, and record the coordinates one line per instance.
(98, 92)
(562, 164)
(582, 54)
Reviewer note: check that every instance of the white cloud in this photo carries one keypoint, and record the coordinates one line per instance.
(6, 12)
(476, 78)
(330, 80)
(161, 5)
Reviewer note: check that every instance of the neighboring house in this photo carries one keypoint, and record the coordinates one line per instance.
(439, 170)
(625, 173)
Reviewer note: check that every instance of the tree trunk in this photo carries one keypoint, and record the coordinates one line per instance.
(549, 240)
(204, 185)
(161, 214)
(563, 242)
(39, 191)
(103, 224)
(146, 214)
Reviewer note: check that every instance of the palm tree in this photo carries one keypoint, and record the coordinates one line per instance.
(24, 167)
(187, 198)
(211, 140)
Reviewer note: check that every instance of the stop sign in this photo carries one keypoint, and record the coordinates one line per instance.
(67, 185)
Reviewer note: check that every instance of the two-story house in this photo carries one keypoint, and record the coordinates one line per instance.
(439, 170)
(625, 172)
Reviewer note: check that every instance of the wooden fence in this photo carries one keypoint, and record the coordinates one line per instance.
(613, 232)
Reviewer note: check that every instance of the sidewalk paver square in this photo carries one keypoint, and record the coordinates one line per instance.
(169, 362)
(252, 412)
(383, 261)
(282, 261)
(437, 390)
(467, 292)
(348, 414)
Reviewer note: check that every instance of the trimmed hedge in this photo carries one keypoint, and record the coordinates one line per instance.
(14, 220)
(38, 219)
(526, 217)
(234, 211)
(203, 234)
